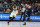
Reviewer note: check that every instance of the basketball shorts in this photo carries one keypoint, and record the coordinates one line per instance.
(14, 13)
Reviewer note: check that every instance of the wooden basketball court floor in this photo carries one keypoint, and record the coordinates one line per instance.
(19, 24)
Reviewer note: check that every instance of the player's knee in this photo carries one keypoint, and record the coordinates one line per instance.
(10, 17)
(13, 17)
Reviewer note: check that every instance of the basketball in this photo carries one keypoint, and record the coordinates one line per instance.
(8, 10)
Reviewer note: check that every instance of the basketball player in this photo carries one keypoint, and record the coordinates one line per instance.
(23, 12)
(25, 15)
(29, 13)
(14, 13)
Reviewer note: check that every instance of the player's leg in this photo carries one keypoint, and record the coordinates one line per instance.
(11, 17)
(21, 16)
(24, 19)
(28, 19)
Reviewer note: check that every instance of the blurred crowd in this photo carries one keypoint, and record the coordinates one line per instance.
(7, 4)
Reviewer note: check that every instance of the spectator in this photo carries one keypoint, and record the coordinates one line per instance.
(5, 2)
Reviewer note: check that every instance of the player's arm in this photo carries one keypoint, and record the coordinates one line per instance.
(18, 10)
(25, 9)
(11, 7)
